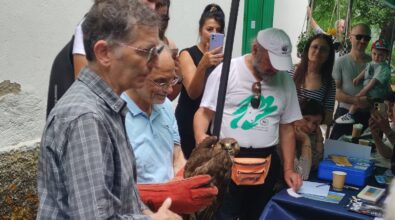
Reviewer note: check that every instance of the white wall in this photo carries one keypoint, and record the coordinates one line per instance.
(289, 15)
(33, 32)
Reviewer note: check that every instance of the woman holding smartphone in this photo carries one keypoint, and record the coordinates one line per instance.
(196, 63)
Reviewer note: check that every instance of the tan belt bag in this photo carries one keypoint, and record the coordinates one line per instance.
(250, 171)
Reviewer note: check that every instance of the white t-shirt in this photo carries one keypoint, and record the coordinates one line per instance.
(78, 45)
(251, 127)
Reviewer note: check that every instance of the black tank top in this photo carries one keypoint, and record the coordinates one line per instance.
(187, 107)
(184, 102)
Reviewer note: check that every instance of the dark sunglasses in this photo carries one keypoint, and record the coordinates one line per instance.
(256, 97)
(361, 36)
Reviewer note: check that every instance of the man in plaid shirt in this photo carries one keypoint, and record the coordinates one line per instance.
(86, 165)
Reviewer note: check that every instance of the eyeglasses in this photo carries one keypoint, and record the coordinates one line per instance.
(152, 52)
(321, 49)
(256, 98)
(165, 85)
(361, 36)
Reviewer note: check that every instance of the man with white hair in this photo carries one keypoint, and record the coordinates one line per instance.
(152, 131)
(260, 108)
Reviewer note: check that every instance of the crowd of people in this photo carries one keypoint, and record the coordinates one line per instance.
(114, 148)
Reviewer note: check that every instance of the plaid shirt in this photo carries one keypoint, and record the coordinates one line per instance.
(86, 165)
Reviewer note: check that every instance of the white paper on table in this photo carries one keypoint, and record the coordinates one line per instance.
(292, 193)
(314, 188)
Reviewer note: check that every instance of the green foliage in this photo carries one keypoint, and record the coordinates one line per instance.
(323, 12)
(302, 40)
(372, 12)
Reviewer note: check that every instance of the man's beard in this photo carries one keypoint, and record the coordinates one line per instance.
(266, 77)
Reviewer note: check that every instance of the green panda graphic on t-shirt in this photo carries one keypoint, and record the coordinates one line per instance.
(246, 117)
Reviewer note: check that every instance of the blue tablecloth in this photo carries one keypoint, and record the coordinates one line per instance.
(284, 207)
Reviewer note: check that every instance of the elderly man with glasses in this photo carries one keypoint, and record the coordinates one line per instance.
(260, 108)
(69, 62)
(152, 130)
(86, 165)
(151, 126)
(346, 68)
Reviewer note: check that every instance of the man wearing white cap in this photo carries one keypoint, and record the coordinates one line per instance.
(260, 108)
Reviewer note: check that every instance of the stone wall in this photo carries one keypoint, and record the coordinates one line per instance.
(18, 185)
(21, 123)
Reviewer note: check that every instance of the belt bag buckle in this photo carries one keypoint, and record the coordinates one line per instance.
(250, 171)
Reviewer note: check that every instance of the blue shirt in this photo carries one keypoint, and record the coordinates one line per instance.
(152, 139)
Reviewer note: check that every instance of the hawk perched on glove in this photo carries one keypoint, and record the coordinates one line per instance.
(215, 159)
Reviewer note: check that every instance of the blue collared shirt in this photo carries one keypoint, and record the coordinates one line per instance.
(86, 166)
(152, 138)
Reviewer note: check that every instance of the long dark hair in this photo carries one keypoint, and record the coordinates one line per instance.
(326, 68)
(213, 11)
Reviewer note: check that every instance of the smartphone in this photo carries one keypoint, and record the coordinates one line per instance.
(380, 107)
(216, 40)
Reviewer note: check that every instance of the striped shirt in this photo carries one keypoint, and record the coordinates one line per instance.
(86, 165)
(325, 95)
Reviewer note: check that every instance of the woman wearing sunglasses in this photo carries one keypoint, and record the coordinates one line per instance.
(313, 75)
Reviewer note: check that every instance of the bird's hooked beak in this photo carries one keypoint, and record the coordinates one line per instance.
(232, 147)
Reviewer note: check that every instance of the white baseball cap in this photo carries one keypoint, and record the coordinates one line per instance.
(279, 46)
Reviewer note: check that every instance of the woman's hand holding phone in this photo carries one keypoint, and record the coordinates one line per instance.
(213, 57)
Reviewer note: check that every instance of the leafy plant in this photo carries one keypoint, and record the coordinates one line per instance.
(372, 12)
(302, 40)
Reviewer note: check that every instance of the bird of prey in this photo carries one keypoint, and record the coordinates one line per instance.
(215, 159)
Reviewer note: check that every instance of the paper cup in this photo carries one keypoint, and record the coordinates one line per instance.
(364, 142)
(338, 179)
(356, 130)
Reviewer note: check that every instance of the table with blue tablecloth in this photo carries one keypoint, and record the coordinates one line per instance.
(285, 207)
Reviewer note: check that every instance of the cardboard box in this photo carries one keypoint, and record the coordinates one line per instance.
(358, 155)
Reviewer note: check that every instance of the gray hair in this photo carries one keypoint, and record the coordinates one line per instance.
(114, 21)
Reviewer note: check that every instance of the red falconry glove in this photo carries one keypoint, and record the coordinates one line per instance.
(187, 195)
